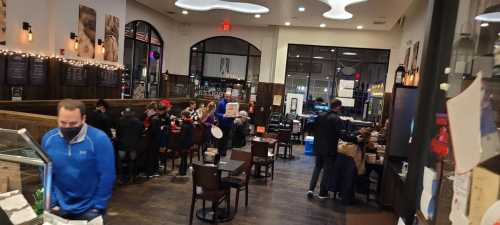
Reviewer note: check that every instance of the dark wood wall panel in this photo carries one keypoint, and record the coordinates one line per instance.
(56, 89)
(265, 95)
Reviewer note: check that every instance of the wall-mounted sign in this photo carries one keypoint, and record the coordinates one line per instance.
(38, 71)
(16, 93)
(17, 70)
(74, 75)
(107, 78)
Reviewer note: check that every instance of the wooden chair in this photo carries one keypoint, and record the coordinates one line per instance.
(198, 136)
(207, 187)
(285, 141)
(172, 151)
(261, 157)
(240, 182)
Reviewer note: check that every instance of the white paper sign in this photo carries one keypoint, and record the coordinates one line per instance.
(347, 102)
(459, 204)
(464, 113)
(277, 100)
(232, 109)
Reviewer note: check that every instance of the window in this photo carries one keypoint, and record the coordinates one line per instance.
(219, 64)
(143, 58)
(324, 72)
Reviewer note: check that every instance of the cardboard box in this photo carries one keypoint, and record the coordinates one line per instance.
(232, 109)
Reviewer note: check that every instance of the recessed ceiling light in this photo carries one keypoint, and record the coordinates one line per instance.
(302, 9)
(359, 27)
(298, 56)
(206, 5)
(338, 9)
(332, 50)
(485, 24)
(318, 57)
(349, 53)
(287, 23)
(498, 34)
(185, 12)
(289, 75)
(327, 78)
(490, 14)
(322, 25)
(195, 48)
(257, 16)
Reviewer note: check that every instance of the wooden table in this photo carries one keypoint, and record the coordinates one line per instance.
(272, 143)
(223, 214)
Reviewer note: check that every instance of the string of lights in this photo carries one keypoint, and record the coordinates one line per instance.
(60, 58)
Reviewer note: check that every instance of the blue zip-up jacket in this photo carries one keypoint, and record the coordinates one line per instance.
(219, 114)
(83, 169)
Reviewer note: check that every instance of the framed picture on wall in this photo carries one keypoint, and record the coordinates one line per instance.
(407, 58)
(414, 60)
(111, 38)
(86, 32)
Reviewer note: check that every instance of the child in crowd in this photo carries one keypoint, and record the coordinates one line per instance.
(185, 141)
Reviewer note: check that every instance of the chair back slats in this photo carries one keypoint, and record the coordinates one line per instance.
(260, 149)
(205, 176)
(284, 136)
(243, 156)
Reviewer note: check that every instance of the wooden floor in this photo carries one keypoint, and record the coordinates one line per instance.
(282, 201)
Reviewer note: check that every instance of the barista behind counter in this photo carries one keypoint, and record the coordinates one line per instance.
(84, 168)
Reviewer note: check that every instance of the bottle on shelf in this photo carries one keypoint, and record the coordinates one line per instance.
(399, 74)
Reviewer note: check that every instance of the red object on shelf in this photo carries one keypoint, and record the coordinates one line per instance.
(439, 143)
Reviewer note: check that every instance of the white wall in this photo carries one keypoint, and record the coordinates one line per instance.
(178, 39)
(414, 30)
(53, 20)
(336, 37)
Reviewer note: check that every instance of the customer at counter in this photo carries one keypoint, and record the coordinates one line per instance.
(225, 123)
(100, 118)
(84, 164)
(327, 131)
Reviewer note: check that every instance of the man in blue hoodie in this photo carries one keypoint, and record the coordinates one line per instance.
(225, 123)
(84, 164)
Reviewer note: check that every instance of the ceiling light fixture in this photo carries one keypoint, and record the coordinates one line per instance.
(206, 5)
(491, 14)
(359, 27)
(288, 23)
(338, 9)
(322, 25)
(318, 57)
(485, 24)
(257, 16)
(185, 12)
(302, 9)
(298, 56)
(349, 53)
(332, 50)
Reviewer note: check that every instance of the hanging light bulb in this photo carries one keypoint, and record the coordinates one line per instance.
(30, 35)
(76, 45)
(103, 49)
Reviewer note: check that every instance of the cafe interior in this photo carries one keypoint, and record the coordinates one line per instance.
(418, 82)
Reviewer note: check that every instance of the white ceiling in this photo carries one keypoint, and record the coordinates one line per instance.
(281, 11)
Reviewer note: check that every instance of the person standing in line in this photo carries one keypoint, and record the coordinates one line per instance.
(100, 118)
(225, 123)
(84, 164)
(327, 131)
(208, 120)
(185, 141)
(153, 135)
(129, 132)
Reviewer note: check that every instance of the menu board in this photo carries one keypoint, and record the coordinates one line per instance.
(107, 78)
(74, 75)
(2, 70)
(38, 71)
(17, 70)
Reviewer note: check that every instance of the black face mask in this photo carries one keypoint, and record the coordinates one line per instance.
(70, 132)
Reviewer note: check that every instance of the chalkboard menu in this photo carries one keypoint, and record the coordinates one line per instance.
(107, 78)
(74, 75)
(2, 70)
(38, 71)
(17, 70)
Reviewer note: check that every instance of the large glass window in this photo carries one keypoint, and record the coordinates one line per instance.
(143, 58)
(222, 64)
(321, 73)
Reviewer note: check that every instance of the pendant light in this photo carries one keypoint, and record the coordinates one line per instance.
(491, 14)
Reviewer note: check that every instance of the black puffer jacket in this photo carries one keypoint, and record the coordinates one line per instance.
(328, 129)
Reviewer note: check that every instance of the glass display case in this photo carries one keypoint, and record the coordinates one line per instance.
(20, 152)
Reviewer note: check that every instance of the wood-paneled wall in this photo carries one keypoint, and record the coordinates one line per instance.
(55, 89)
(264, 104)
(37, 125)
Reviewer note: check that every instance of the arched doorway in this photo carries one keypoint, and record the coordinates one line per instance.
(143, 57)
(223, 63)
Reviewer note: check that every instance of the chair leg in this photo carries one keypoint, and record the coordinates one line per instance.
(267, 172)
(272, 171)
(246, 196)
(236, 205)
(193, 201)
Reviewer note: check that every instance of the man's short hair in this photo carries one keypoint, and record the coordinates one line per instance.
(101, 102)
(335, 103)
(71, 104)
(186, 114)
